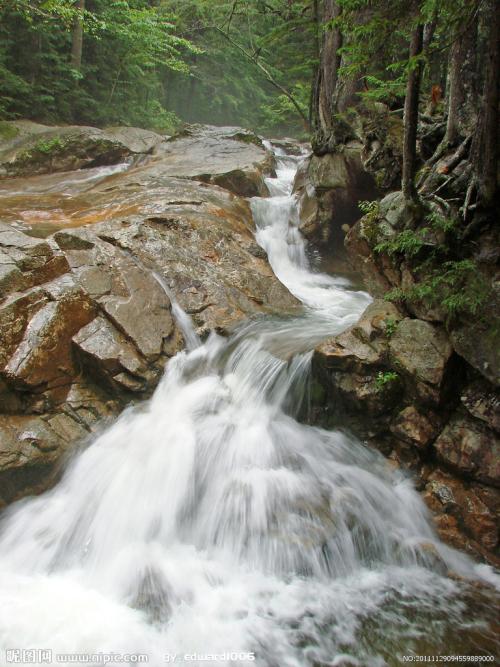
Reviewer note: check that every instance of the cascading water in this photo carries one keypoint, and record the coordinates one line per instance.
(209, 522)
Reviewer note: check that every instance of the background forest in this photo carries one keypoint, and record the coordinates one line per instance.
(249, 62)
(153, 62)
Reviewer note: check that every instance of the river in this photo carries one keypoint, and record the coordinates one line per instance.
(211, 525)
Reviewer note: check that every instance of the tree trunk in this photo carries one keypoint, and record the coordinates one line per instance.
(485, 150)
(328, 67)
(77, 39)
(462, 89)
(411, 116)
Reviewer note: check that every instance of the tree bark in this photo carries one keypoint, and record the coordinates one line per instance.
(328, 67)
(462, 89)
(485, 150)
(411, 116)
(77, 39)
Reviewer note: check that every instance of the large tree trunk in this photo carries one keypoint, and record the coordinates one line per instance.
(411, 116)
(77, 39)
(485, 150)
(462, 91)
(328, 67)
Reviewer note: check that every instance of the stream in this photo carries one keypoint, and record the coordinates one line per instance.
(210, 526)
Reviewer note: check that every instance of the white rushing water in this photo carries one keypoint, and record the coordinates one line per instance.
(209, 522)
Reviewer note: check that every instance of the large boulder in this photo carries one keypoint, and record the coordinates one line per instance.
(379, 364)
(482, 401)
(329, 188)
(352, 372)
(465, 514)
(394, 381)
(472, 449)
(386, 217)
(477, 340)
(229, 157)
(30, 148)
(422, 353)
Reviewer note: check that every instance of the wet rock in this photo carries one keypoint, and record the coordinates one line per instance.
(382, 361)
(29, 452)
(415, 428)
(483, 402)
(26, 261)
(40, 149)
(470, 448)
(111, 357)
(329, 188)
(465, 514)
(200, 240)
(478, 342)
(143, 314)
(228, 159)
(15, 314)
(422, 353)
(349, 367)
(88, 403)
(84, 324)
(233, 132)
(291, 146)
(138, 140)
(44, 356)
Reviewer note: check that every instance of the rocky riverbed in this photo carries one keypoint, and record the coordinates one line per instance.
(85, 325)
(90, 260)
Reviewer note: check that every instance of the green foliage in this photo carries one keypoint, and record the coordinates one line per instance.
(370, 208)
(385, 379)
(49, 146)
(225, 86)
(458, 287)
(8, 131)
(407, 242)
(390, 327)
(42, 148)
(149, 63)
(128, 48)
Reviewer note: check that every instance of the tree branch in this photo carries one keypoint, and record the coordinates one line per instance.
(254, 58)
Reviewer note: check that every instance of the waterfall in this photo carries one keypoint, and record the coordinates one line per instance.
(210, 523)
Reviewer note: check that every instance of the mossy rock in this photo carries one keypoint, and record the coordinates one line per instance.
(8, 131)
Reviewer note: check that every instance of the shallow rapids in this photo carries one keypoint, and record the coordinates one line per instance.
(210, 523)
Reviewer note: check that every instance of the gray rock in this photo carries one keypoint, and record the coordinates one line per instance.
(109, 355)
(329, 188)
(235, 165)
(38, 149)
(422, 351)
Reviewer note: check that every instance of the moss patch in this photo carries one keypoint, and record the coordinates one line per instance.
(8, 131)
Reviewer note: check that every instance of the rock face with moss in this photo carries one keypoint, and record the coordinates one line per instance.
(28, 148)
(86, 321)
(358, 166)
